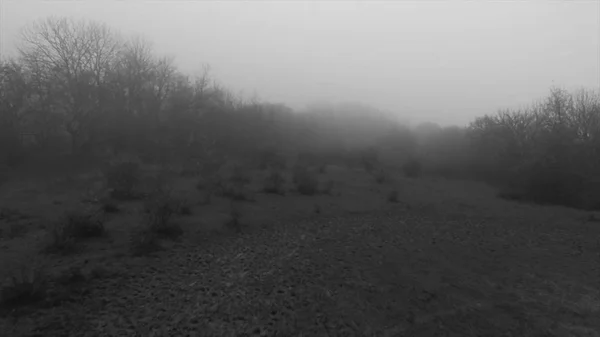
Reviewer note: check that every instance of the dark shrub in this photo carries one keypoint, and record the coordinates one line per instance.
(234, 187)
(305, 181)
(122, 179)
(65, 232)
(28, 287)
(11, 214)
(235, 192)
(274, 183)
(60, 241)
(206, 190)
(160, 209)
(185, 209)
(109, 206)
(556, 187)
(144, 241)
(317, 209)
(513, 194)
(82, 225)
(71, 276)
(380, 177)
(545, 182)
(15, 230)
(393, 196)
(234, 222)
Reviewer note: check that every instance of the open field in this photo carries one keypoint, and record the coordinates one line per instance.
(377, 255)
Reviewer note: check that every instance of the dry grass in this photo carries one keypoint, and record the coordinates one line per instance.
(470, 264)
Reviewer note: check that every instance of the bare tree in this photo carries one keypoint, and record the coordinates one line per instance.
(72, 58)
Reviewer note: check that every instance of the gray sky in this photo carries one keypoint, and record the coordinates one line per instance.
(445, 61)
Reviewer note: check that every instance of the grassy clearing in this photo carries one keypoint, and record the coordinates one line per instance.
(470, 263)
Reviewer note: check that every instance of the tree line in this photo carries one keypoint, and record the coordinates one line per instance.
(79, 87)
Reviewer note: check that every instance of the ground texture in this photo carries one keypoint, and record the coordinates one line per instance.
(396, 273)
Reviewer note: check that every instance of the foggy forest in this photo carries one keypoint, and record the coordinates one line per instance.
(141, 198)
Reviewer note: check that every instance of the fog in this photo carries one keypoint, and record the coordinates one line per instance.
(444, 62)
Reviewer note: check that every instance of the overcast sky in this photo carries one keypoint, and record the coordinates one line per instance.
(445, 61)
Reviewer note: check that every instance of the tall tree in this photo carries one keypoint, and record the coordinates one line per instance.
(72, 58)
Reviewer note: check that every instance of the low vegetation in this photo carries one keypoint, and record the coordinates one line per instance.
(27, 286)
(234, 222)
(110, 206)
(181, 158)
(380, 176)
(274, 183)
(123, 179)
(65, 233)
(144, 241)
(306, 182)
(160, 209)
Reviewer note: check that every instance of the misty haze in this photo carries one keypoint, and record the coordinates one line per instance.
(299, 168)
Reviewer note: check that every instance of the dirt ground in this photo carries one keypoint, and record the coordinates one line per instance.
(446, 258)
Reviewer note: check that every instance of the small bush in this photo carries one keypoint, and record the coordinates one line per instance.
(306, 182)
(181, 206)
(274, 183)
(29, 286)
(232, 188)
(206, 189)
(84, 225)
(234, 222)
(71, 276)
(11, 214)
(123, 179)
(512, 194)
(317, 209)
(159, 209)
(109, 206)
(380, 177)
(144, 242)
(15, 230)
(60, 241)
(412, 168)
(235, 192)
(544, 183)
(393, 196)
(185, 209)
(65, 232)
